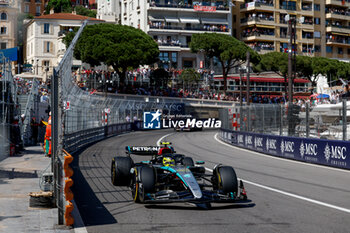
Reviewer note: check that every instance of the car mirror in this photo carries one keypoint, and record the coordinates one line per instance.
(200, 162)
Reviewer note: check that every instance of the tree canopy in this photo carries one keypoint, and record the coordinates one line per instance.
(80, 10)
(59, 6)
(189, 76)
(119, 46)
(227, 49)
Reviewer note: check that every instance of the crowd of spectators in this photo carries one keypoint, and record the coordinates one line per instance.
(24, 87)
(257, 32)
(262, 46)
(339, 11)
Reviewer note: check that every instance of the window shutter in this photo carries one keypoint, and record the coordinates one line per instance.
(51, 48)
(51, 29)
(44, 47)
(42, 29)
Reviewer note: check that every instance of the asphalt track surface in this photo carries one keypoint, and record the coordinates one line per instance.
(106, 208)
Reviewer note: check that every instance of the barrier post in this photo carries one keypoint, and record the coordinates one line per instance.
(344, 119)
(281, 120)
(307, 120)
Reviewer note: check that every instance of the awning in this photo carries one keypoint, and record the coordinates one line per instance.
(340, 34)
(28, 75)
(269, 80)
(169, 19)
(214, 21)
(189, 20)
(151, 18)
(69, 25)
(307, 30)
(266, 26)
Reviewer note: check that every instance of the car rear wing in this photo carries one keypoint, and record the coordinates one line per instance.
(142, 150)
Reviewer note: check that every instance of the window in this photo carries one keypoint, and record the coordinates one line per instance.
(329, 49)
(37, 9)
(3, 45)
(47, 47)
(317, 34)
(317, 49)
(3, 30)
(348, 51)
(234, 18)
(340, 50)
(317, 21)
(46, 28)
(3, 16)
(26, 8)
(317, 7)
(138, 23)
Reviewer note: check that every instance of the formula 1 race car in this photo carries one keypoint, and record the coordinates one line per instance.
(170, 177)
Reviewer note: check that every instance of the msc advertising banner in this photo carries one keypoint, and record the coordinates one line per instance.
(319, 151)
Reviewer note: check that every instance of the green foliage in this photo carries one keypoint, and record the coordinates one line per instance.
(69, 37)
(230, 51)
(119, 46)
(59, 6)
(276, 62)
(159, 77)
(190, 76)
(80, 10)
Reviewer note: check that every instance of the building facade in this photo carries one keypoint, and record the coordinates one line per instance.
(8, 23)
(322, 26)
(34, 7)
(109, 10)
(44, 48)
(171, 23)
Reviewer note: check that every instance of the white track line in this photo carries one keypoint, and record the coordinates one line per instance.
(160, 139)
(277, 190)
(282, 159)
(293, 195)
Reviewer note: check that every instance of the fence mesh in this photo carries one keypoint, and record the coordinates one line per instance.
(326, 121)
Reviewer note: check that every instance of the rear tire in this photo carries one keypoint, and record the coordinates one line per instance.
(120, 171)
(225, 179)
(188, 162)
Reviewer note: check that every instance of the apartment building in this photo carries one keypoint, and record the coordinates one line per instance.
(109, 10)
(8, 23)
(34, 7)
(171, 23)
(322, 26)
(44, 48)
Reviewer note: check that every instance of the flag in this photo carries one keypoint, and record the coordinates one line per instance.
(343, 2)
(93, 91)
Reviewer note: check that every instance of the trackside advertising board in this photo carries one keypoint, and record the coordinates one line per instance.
(318, 151)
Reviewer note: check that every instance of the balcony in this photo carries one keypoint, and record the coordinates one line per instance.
(4, 2)
(342, 42)
(258, 36)
(257, 6)
(338, 3)
(198, 28)
(338, 13)
(256, 20)
(189, 7)
(338, 28)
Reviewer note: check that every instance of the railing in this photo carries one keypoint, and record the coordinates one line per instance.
(258, 19)
(186, 6)
(340, 41)
(200, 28)
(256, 4)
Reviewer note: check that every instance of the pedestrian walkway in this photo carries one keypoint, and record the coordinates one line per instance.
(19, 175)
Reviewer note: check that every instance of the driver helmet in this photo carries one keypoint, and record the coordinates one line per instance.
(168, 161)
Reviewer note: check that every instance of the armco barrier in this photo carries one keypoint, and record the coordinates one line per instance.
(317, 151)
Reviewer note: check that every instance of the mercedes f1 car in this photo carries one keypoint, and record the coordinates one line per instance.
(170, 177)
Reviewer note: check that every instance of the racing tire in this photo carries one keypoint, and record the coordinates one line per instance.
(188, 162)
(144, 182)
(225, 179)
(120, 171)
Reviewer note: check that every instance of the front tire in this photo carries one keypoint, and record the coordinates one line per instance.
(225, 179)
(120, 170)
(143, 182)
